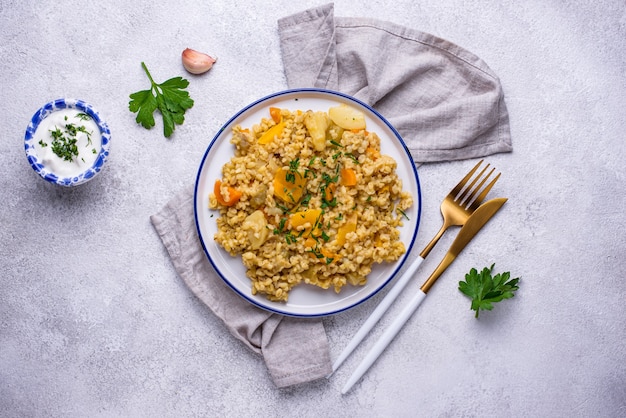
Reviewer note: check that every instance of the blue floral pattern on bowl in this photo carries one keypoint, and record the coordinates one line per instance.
(44, 171)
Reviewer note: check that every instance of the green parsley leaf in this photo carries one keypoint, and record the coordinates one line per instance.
(485, 290)
(169, 97)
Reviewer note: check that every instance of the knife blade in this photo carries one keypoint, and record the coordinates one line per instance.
(474, 224)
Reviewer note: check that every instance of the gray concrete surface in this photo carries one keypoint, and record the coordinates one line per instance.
(94, 321)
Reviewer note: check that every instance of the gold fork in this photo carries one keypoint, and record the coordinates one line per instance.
(461, 202)
(456, 208)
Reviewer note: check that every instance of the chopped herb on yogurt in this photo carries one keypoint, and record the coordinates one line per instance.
(66, 141)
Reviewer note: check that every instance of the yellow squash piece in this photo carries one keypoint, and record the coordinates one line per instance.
(271, 133)
(289, 185)
(345, 229)
(309, 219)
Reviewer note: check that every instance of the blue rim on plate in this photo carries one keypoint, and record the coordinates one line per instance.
(40, 168)
(304, 300)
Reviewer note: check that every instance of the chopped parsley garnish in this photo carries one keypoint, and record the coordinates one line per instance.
(293, 165)
(326, 204)
(281, 226)
(283, 208)
(328, 179)
(290, 238)
(305, 201)
(403, 213)
(352, 157)
(307, 172)
(64, 141)
(316, 252)
(82, 116)
(64, 146)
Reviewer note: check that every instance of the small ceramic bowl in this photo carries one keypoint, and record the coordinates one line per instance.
(39, 145)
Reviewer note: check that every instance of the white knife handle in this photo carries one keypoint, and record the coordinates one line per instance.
(384, 340)
(378, 313)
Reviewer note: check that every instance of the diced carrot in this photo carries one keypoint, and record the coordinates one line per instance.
(310, 243)
(329, 192)
(348, 177)
(329, 255)
(326, 257)
(374, 154)
(233, 194)
(275, 114)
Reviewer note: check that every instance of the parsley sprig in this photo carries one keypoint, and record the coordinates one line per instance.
(169, 97)
(485, 290)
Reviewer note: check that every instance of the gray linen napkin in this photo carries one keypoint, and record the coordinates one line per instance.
(444, 101)
(295, 350)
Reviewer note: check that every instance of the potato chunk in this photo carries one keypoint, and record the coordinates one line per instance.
(317, 124)
(347, 117)
(255, 225)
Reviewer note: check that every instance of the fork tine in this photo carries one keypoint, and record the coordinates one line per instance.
(469, 199)
(483, 194)
(454, 192)
(470, 192)
(464, 198)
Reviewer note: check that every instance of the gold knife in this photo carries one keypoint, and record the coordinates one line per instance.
(474, 224)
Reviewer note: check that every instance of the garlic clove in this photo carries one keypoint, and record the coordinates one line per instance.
(196, 62)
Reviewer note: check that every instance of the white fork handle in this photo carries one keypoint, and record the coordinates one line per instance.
(384, 340)
(378, 313)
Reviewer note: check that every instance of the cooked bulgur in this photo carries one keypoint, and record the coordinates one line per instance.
(305, 201)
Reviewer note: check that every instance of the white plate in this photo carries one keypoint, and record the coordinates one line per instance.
(304, 300)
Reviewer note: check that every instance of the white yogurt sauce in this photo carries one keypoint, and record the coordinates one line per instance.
(63, 122)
